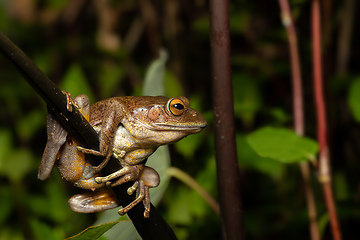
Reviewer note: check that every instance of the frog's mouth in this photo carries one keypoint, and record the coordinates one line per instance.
(179, 127)
(192, 128)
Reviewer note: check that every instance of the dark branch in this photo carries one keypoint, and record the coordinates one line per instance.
(154, 227)
(225, 146)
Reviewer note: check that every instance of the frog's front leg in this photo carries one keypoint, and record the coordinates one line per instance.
(109, 122)
(149, 178)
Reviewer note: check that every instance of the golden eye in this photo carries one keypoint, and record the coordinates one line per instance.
(175, 107)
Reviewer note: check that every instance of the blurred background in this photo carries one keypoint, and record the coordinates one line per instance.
(104, 48)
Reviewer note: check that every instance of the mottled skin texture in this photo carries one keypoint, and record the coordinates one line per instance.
(140, 125)
(131, 129)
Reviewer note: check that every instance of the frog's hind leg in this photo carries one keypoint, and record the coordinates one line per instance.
(93, 201)
(56, 135)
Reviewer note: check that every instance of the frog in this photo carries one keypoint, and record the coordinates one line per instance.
(130, 128)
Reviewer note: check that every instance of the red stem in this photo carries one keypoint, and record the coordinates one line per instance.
(324, 165)
(295, 67)
(299, 111)
(317, 68)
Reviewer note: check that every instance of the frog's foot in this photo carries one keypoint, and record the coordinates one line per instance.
(69, 101)
(93, 201)
(149, 178)
(126, 174)
(119, 154)
(140, 195)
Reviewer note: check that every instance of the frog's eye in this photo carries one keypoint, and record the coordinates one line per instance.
(175, 107)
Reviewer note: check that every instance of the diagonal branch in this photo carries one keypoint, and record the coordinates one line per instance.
(154, 227)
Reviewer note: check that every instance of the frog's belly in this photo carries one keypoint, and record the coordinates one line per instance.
(135, 150)
(123, 140)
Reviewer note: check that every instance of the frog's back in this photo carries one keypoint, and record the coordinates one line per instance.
(98, 109)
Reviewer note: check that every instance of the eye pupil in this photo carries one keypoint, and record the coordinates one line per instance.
(179, 106)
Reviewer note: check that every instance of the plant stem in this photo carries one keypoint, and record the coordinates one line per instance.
(298, 110)
(225, 146)
(324, 162)
(188, 180)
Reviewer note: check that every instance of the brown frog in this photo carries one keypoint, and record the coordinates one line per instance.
(131, 129)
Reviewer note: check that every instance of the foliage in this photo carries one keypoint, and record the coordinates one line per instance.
(94, 232)
(282, 144)
(105, 48)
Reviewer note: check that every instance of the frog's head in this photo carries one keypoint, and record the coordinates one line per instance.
(172, 118)
(177, 115)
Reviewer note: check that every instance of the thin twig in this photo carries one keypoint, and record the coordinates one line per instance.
(189, 181)
(154, 227)
(225, 146)
(299, 111)
(324, 162)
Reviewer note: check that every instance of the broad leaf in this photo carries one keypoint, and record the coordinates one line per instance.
(248, 158)
(75, 82)
(154, 79)
(93, 232)
(282, 144)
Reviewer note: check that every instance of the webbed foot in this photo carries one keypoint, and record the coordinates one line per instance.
(126, 174)
(149, 178)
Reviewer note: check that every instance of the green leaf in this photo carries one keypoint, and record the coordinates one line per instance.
(354, 99)
(5, 149)
(160, 161)
(282, 144)
(94, 232)
(125, 230)
(172, 84)
(6, 205)
(111, 76)
(28, 125)
(154, 78)
(247, 97)
(43, 231)
(20, 164)
(75, 82)
(247, 158)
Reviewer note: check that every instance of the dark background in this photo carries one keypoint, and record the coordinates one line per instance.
(103, 48)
